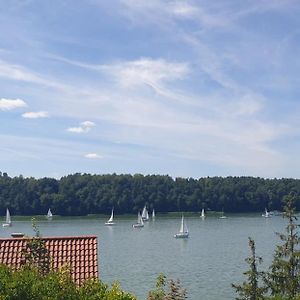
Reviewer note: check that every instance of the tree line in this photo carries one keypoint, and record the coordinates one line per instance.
(82, 194)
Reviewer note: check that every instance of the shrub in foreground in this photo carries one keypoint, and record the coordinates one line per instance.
(29, 284)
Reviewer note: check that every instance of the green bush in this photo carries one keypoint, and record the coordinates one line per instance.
(28, 284)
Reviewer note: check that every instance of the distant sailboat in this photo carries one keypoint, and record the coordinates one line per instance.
(145, 214)
(266, 214)
(140, 222)
(153, 213)
(49, 214)
(202, 213)
(7, 219)
(183, 232)
(111, 219)
(223, 216)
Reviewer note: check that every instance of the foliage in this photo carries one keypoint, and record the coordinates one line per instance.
(284, 276)
(167, 290)
(81, 194)
(250, 289)
(282, 282)
(36, 254)
(28, 284)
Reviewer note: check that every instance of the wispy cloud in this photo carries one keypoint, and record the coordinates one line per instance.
(9, 104)
(142, 71)
(93, 156)
(183, 9)
(147, 71)
(20, 73)
(83, 128)
(35, 115)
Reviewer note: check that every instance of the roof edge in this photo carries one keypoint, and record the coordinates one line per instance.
(51, 238)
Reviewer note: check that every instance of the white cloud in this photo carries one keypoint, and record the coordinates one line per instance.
(84, 127)
(87, 124)
(9, 104)
(76, 129)
(183, 9)
(153, 72)
(35, 115)
(93, 156)
(20, 73)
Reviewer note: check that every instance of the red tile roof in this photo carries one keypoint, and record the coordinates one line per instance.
(78, 252)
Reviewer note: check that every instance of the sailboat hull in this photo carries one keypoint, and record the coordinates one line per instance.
(138, 225)
(6, 224)
(183, 235)
(110, 223)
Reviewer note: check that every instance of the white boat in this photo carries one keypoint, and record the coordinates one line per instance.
(153, 213)
(266, 214)
(140, 222)
(7, 219)
(49, 214)
(111, 219)
(145, 214)
(202, 213)
(183, 232)
(223, 216)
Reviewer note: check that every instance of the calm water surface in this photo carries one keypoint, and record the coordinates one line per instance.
(206, 263)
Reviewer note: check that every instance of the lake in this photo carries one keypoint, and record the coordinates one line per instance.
(206, 263)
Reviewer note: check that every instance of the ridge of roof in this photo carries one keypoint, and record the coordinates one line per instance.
(49, 237)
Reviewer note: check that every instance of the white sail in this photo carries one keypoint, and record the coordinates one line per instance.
(183, 227)
(140, 222)
(183, 232)
(49, 214)
(153, 213)
(7, 219)
(145, 214)
(111, 216)
(202, 213)
(111, 219)
(266, 214)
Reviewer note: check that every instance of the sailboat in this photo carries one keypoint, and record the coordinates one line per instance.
(223, 216)
(145, 214)
(140, 222)
(111, 219)
(153, 213)
(202, 213)
(49, 214)
(183, 232)
(7, 219)
(266, 214)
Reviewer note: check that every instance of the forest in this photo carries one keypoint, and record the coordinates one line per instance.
(82, 194)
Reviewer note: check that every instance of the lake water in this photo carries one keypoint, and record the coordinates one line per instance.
(206, 263)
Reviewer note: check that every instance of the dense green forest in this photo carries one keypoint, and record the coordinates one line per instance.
(81, 194)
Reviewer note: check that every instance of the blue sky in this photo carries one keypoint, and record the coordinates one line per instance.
(185, 88)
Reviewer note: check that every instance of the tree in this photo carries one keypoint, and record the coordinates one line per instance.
(167, 290)
(284, 276)
(36, 254)
(250, 289)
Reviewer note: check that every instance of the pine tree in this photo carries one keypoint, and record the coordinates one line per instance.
(284, 276)
(250, 289)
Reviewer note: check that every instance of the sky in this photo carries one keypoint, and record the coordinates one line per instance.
(185, 88)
